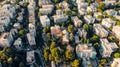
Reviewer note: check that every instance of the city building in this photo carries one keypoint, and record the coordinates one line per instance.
(2, 28)
(117, 17)
(82, 33)
(77, 22)
(89, 19)
(12, 1)
(116, 31)
(107, 22)
(30, 57)
(85, 51)
(5, 21)
(82, 5)
(69, 47)
(46, 9)
(91, 8)
(14, 32)
(32, 29)
(60, 17)
(100, 31)
(31, 39)
(65, 36)
(53, 64)
(107, 48)
(111, 12)
(55, 30)
(64, 5)
(116, 62)
(31, 13)
(7, 10)
(6, 39)
(77, 40)
(18, 44)
(113, 2)
(82, 11)
(45, 21)
(44, 2)
(17, 26)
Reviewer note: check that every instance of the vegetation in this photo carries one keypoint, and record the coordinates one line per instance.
(75, 63)
(25, 4)
(117, 55)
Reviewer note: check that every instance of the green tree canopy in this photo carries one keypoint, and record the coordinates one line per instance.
(70, 28)
(69, 54)
(75, 63)
(46, 53)
(21, 32)
(101, 5)
(86, 27)
(21, 64)
(117, 55)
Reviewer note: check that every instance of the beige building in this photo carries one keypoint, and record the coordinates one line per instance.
(46, 9)
(60, 17)
(30, 57)
(77, 22)
(31, 39)
(85, 51)
(107, 22)
(55, 30)
(107, 48)
(45, 21)
(116, 31)
(100, 31)
(6, 39)
(116, 62)
(32, 29)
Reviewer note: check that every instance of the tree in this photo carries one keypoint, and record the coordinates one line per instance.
(117, 22)
(70, 28)
(75, 63)
(103, 61)
(21, 32)
(74, 13)
(54, 52)
(25, 4)
(67, 12)
(9, 60)
(71, 36)
(46, 53)
(37, 8)
(89, 12)
(94, 38)
(17, 1)
(51, 58)
(111, 38)
(39, 14)
(117, 55)
(101, 5)
(86, 27)
(52, 45)
(48, 36)
(69, 54)
(74, 9)
(46, 29)
(21, 64)
(96, 45)
(89, 1)
(55, 1)
(58, 7)
(99, 16)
